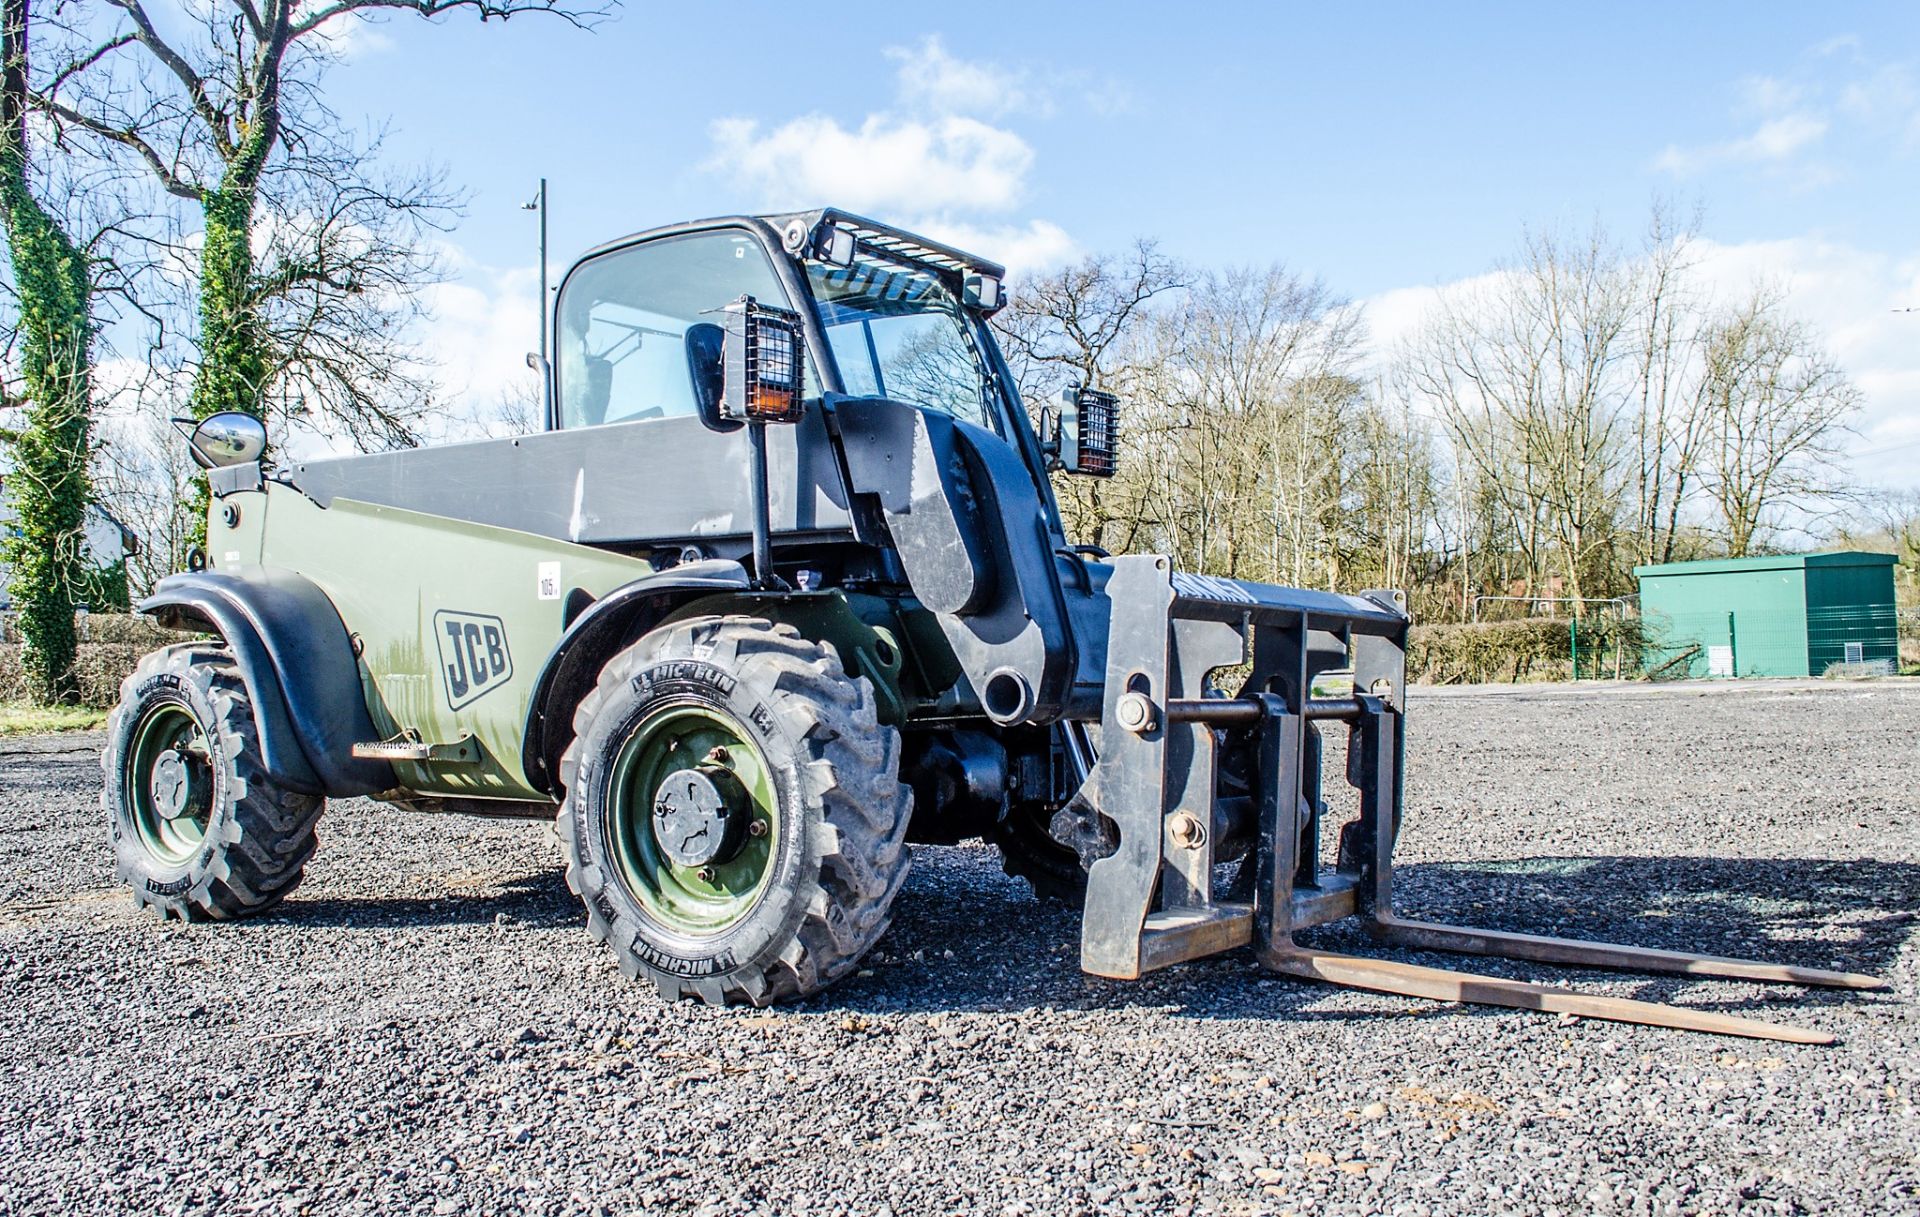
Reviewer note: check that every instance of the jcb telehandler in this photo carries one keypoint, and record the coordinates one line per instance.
(781, 587)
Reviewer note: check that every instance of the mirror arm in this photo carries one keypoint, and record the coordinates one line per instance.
(1050, 440)
(764, 576)
(189, 431)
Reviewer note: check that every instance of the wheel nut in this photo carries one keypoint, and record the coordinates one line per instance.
(757, 828)
(1135, 712)
(706, 874)
(720, 756)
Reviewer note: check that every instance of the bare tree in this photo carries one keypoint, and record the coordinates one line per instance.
(1238, 375)
(1076, 325)
(1669, 427)
(1889, 521)
(1066, 326)
(142, 475)
(338, 293)
(1778, 407)
(1525, 374)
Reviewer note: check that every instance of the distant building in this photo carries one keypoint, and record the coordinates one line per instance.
(1791, 615)
(108, 541)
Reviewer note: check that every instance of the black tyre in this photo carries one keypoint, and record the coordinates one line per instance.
(199, 828)
(734, 820)
(1028, 851)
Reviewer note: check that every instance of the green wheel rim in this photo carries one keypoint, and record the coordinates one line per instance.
(695, 901)
(169, 783)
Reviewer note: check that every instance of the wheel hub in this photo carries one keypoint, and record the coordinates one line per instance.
(700, 815)
(170, 785)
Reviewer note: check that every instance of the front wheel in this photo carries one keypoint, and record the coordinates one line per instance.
(199, 828)
(1028, 851)
(734, 819)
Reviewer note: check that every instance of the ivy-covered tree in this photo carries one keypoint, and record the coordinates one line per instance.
(47, 484)
(222, 108)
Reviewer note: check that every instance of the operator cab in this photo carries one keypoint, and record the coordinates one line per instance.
(703, 381)
(883, 313)
(625, 316)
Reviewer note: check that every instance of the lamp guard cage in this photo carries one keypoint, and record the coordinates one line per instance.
(1097, 419)
(763, 363)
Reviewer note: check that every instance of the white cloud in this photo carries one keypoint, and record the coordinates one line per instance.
(1847, 44)
(1779, 138)
(933, 80)
(1850, 295)
(1833, 101)
(1108, 98)
(1773, 141)
(1887, 93)
(1770, 95)
(933, 151)
(1395, 316)
(483, 323)
(1022, 248)
(887, 163)
(353, 35)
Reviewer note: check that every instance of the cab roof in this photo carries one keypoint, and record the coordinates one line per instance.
(795, 228)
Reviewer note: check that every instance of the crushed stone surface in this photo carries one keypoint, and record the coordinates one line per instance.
(424, 1027)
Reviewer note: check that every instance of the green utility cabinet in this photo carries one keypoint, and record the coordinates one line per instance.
(1791, 615)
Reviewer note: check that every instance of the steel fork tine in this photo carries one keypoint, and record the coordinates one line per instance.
(1438, 984)
(1579, 953)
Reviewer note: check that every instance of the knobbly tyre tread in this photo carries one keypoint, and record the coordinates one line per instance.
(261, 834)
(850, 771)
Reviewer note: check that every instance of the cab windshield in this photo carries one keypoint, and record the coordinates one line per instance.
(897, 332)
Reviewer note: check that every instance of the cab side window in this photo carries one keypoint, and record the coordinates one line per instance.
(624, 317)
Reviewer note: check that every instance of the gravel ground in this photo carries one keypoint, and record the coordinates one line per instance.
(425, 1026)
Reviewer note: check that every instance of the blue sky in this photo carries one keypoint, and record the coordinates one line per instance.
(1390, 150)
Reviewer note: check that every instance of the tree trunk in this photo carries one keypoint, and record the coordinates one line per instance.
(48, 483)
(234, 359)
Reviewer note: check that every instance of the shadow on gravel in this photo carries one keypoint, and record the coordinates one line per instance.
(1010, 952)
(540, 900)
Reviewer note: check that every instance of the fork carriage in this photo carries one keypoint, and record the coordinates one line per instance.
(1152, 902)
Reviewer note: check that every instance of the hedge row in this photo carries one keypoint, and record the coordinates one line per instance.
(110, 645)
(1533, 648)
(110, 628)
(101, 667)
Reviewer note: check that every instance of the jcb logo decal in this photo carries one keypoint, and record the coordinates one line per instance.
(474, 659)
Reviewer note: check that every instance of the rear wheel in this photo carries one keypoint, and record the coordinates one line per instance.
(199, 828)
(734, 820)
(1028, 851)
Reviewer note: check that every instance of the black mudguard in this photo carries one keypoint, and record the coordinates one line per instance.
(593, 638)
(297, 660)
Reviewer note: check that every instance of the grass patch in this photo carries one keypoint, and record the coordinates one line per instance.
(25, 718)
(1333, 684)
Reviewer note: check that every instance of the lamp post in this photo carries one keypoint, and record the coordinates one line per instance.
(539, 204)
